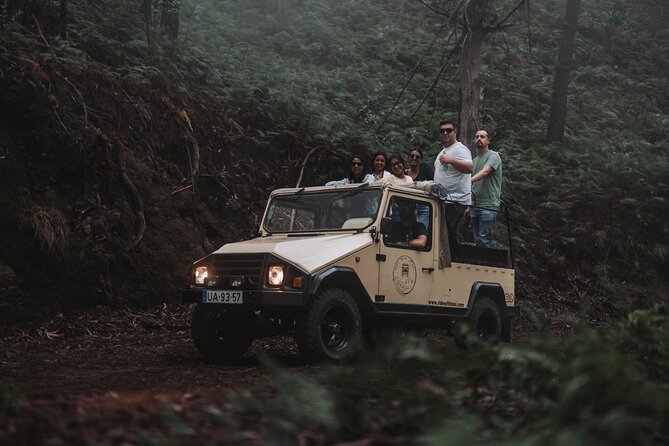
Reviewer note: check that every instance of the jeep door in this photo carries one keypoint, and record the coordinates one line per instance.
(405, 272)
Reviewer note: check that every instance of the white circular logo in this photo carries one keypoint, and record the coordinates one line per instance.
(404, 274)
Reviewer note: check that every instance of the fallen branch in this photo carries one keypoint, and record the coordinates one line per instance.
(80, 97)
(136, 198)
(304, 163)
(59, 120)
(182, 189)
(39, 31)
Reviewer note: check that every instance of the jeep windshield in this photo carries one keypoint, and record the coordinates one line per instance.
(322, 210)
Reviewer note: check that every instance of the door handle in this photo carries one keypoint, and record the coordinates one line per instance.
(428, 270)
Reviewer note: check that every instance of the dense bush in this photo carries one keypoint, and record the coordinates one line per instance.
(596, 387)
(590, 214)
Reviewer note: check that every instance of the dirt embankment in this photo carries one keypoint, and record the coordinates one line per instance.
(111, 189)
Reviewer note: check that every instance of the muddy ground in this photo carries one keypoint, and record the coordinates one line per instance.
(112, 377)
(133, 377)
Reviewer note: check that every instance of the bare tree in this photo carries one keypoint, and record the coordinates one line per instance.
(475, 19)
(47, 17)
(556, 121)
(474, 32)
(169, 18)
(148, 26)
(161, 17)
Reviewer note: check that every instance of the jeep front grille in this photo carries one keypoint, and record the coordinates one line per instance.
(247, 266)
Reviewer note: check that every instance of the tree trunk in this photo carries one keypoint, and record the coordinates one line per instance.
(470, 85)
(474, 31)
(556, 121)
(63, 19)
(169, 18)
(46, 17)
(148, 26)
(274, 8)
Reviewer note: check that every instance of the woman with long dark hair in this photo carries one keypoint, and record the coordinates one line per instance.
(357, 173)
(397, 170)
(379, 171)
(418, 170)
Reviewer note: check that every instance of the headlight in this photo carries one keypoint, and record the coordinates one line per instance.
(275, 275)
(201, 275)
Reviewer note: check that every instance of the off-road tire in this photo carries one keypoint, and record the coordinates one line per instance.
(219, 334)
(486, 320)
(331, 327)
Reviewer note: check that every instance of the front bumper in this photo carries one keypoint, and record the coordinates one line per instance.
(253, 298)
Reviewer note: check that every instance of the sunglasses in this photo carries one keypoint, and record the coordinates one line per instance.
(356, 164)
(446, 130)
(414, 157)
(397, 165)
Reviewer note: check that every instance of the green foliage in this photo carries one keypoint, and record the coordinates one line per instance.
(10, 398)
(590, 215)
(646, 335)
(395, 389)
(286, 404)
(595, 388)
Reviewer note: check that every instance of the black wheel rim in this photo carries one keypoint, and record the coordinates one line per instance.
(336, 329)
(219, 326)
(487, 327)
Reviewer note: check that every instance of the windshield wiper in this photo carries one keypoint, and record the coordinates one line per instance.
(311, 234)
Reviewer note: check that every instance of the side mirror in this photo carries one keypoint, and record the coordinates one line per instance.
(386, 225)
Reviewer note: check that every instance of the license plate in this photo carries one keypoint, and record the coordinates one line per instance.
(222, 297)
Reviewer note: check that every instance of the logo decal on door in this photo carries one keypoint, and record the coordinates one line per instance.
(404, 274)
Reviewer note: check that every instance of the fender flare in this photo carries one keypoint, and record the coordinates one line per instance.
(491, 289)
(495, 292)
(347, 279)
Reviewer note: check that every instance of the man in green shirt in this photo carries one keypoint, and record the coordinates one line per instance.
(486, 189)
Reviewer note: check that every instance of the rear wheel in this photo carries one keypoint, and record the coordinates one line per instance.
(331, 326)
(220, 334)
(486, 320)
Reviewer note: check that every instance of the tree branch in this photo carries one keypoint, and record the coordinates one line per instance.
(136, 199)
(413, 74)
(80, 97)
(304, 163)
(436, 79)
(508, 16)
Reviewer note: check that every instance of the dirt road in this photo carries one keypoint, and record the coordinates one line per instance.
(112, 377)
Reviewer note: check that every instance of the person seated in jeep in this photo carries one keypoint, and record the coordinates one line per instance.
(406, 230)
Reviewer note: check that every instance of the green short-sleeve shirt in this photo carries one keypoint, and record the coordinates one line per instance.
(487, 192)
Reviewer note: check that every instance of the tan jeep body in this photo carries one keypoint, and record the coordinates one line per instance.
(323, 270)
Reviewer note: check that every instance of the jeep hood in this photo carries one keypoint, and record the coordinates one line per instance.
(308, 252)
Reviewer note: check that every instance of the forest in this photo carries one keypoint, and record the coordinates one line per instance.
(138, 136)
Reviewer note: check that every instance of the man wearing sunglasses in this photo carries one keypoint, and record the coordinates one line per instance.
(453, 166)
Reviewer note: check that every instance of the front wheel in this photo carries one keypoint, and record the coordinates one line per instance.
(220, 334)
(330, 327)
(486, 320)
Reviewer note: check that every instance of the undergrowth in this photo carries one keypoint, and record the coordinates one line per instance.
(590, 216)
(10, 396)
(598, 387)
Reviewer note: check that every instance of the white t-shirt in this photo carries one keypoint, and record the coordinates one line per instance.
(392, 179)
(458, 184)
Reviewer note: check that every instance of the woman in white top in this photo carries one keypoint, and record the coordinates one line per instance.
(358, 173)
(380, 166)
(397, 170)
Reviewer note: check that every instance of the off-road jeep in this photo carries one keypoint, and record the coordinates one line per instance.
(325, 270)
